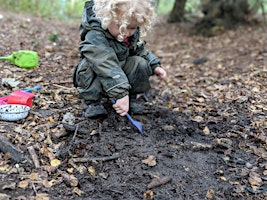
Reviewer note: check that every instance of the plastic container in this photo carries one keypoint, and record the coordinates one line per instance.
(21, 100)
(13, 112)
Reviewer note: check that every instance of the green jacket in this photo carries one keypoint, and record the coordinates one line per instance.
(106, 55)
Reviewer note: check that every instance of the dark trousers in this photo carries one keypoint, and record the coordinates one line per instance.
(89, 87)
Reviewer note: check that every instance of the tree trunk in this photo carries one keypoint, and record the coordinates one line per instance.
(221, 15)
(177, 13)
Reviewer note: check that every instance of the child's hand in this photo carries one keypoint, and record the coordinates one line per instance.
(122, 105)
(160, 72)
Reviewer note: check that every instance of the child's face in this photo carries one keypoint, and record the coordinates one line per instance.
(130, 30)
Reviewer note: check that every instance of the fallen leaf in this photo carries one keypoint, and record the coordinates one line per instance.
(148, 195)
(70, 170)
(210, 194)
(55, 162)
(91, 170)
(4, 168)
(150, 161)
(78, 191)
(42, 196)
(198, 119)
(23, 184)
(34, 176)
(254, 179)
(49, 184)
(206, 130)
(104, 175)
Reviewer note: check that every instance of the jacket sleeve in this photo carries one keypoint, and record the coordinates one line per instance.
(95, 48)
(152, 60)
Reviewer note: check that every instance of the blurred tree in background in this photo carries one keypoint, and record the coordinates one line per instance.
(177, 13)
(219, 14)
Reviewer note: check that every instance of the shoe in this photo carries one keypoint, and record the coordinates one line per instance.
(135, 106)
(94, 109)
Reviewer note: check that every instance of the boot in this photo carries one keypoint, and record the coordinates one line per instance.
(135, 106)
(94, 109)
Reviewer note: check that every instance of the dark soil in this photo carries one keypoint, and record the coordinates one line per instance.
(204, 127)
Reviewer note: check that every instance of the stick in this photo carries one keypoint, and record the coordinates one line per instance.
(197, 145)
(72, 180)
(68, 148)
(63, 87)
(34, 157)
(158, 181)
(34, 188)
(94, 159)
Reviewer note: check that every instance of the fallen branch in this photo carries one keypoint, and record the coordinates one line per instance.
(34, 157)
(95, 159)
(158, 181)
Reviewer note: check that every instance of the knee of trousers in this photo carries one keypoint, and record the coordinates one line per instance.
(137, 66)
(139, 75)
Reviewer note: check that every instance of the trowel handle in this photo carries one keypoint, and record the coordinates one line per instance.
(10, 58)
(31, 89)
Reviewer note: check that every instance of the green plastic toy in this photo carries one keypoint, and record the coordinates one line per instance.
(23, 59)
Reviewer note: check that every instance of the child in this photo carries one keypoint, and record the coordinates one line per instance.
(113, 62)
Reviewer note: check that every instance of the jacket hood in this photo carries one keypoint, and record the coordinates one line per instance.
(89, 20)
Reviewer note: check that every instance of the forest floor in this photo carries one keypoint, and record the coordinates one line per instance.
(205, 127)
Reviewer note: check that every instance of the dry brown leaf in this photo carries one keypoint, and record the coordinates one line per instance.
(150, 161)
(34, 176)
(47, 152)
(254, 179)
(55, 162)
(4, 168)
(49, 184)
(78, 191)
(198, 119)
(42, 196)
(70, 170)
(148, 195)
(206, 130)
(23, 184)
(91, 170)
(210, 194)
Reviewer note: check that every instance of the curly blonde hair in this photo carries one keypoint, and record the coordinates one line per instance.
(123, 12)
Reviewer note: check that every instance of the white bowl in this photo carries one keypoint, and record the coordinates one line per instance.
(13, 112)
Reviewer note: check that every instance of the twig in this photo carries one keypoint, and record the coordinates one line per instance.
(94, 159)
(259, 191)
(34, 157)
(72, 180)
(74, 136)
(158, 181)
(64, 151)
(61, 82)
(63, 87)
(197, 145)
(34, 188)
